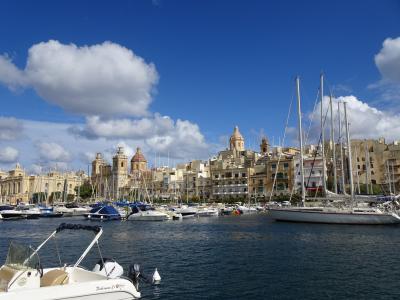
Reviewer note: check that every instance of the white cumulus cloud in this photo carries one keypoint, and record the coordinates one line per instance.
(103, 79)
(50, 151)
(10, 128)
(161, 134)
(8, 154)
(388, 60)
(366, 122)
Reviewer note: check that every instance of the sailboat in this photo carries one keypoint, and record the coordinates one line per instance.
(330, 215)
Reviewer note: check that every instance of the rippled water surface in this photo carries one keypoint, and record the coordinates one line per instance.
(235, 257)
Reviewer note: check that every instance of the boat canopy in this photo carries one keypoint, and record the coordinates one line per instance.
(108, 210)
(64, 226)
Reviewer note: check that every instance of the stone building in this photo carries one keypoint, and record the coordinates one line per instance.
(377, 163)
(17, 186)
(117, 181)
(196, 181)
(274, 172)
(230, 170)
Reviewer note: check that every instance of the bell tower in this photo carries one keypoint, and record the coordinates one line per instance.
(119, 171)
(264, 146)
(236, 142)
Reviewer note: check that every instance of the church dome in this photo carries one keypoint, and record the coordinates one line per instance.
(138, 157)
(236, 134)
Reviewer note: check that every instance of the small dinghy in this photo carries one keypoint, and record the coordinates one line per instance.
(23, 277)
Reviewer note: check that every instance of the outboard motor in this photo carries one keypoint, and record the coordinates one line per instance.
(108, 267)
(135, 275)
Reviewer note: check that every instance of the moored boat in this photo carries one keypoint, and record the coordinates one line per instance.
(23, 277)
(147, 213)
(103, 213)
(333, 215)
(8, 212)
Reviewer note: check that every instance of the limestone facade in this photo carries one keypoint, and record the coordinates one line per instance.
(18, 186)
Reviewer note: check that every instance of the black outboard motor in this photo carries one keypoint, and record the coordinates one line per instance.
(135, 275)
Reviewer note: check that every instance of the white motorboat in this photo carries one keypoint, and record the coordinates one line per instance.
(207, 212)
(187, 211)
(61, 208)
(8, 212)
(22, 277)
(333, 215)
(147, 213)
(247, 209)
(170, 212)
(30, 210)
(78, 210)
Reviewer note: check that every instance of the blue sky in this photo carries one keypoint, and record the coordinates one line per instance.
(218, 64)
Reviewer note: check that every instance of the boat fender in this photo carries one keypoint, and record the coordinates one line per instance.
(156, 277)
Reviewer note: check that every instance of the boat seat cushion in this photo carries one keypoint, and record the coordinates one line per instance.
(54, 277)
(6, 274)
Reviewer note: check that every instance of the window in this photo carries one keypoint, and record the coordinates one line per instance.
(358, 167)
(363, 158)
(312, 172)
(372, 173)
(260, 181)
(243, 174)
(122, 164)
(286, 165)
(358, 159)
(273, 166)
(372, 165)
(236, 175)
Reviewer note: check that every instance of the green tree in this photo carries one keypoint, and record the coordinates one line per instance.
(85, 190)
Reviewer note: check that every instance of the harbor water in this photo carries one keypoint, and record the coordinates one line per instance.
(232, 257)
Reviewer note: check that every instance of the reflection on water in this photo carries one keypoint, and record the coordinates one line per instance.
(235, 257)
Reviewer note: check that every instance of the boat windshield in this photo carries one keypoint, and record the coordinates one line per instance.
(21, 256)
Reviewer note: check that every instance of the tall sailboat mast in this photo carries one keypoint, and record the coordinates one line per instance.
(341, 150)
(333, 147)
(349, 154)
(303, 191)
(321, 91)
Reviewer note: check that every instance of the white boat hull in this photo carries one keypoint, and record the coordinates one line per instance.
(111, 289)
(148, 216)
(333, 217)
(207, 213)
